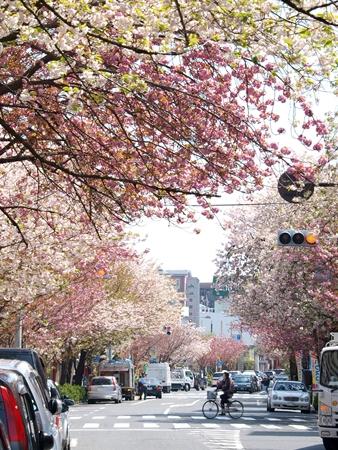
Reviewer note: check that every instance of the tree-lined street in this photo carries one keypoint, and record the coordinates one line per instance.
(176, 422)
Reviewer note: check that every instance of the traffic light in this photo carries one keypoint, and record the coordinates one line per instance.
(296, 238)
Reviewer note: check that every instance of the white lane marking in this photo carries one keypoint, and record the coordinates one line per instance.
(273, 419)
(123, 417)
(73, 443)
(98, 417)
(174, 417)
(163, 404)
(240, 425)
(210, 425)
(223, 418)
(147, 417)
(180, 406)
(91, 425)
(271, 427)
(199, 417)
(300, 427)
(248, 418)
(150, 425)
(298, 420)
(75, 417)
(121, 425)
(181, 425)
(142, 402)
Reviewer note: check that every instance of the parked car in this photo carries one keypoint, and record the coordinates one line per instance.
(200, 382)
(29, 355)
(244, 383)
(62, 420)
(44, 407)
(235, 373)
(256, 380)
(217, 376)
(271, 374)
(288, 395)
(18, 414)
(154, 387)
(104, 388)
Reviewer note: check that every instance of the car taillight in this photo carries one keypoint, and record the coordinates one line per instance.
(16, 427)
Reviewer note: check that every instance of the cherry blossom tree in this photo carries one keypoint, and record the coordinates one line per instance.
(184, 346)
(223, 349)
(108, 102)
(286, 296)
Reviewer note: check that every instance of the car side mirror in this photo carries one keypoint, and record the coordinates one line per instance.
(55, 406)
(46, 441)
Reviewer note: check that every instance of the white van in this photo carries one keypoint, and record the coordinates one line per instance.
(182, 379)
(160, 371)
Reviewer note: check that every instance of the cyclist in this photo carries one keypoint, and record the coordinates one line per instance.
(224, 385)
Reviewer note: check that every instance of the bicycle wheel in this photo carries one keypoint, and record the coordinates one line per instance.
(210, 409)
(235, 409)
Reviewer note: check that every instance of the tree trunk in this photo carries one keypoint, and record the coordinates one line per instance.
(293, 366)
(80, 368)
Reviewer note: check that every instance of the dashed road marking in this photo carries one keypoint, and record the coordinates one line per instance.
(240, 425)
(299, 427)
(91, 425)
(123, 417)
(150, 425)
(181, 425)
(121, 425)
(98, 417)
(73, 442)
(271, 427)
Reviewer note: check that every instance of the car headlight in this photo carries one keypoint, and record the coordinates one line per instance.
(324, 410)
(275, 397)
(305, 398)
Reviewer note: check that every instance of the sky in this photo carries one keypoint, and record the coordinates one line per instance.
(175, 247)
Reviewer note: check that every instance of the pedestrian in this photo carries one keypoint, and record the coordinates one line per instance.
(225, 385)
(142, 387)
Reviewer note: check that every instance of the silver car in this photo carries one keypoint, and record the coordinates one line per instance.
(104, 388)
(288, 395)
(61, 420)
(45, 409)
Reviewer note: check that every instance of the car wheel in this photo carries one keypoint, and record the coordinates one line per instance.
(187, 387)
(90, 402)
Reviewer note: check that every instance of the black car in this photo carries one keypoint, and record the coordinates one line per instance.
(200, 382)
(154, 387)
(244, 383)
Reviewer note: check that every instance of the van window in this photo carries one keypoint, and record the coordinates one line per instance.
(189, 374)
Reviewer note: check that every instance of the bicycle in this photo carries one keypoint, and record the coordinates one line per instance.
(211, 407)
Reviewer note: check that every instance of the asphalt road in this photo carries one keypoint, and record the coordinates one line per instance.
(175, 422)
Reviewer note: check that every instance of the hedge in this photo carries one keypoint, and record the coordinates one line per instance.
(76, 393)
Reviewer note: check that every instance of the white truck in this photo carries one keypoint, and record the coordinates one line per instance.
(328, 394)
(160, 371)
(182, 379)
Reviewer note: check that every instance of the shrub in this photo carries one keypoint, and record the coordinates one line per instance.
(76, 393)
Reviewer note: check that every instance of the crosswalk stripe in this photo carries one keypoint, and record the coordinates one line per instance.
(174, 417)
(181, 425)
(123, 417)
(98, 417)
(273, 419)
(210, 425)
(150, 425)
(91, 425)
(73, 442)
(299, 427)
(121, 425)
(271, 427)
(240, 425)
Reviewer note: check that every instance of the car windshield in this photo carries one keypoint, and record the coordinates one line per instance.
(101, 381)
(242, 379)
(329, 369)
(218, 374)
(296, 386)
